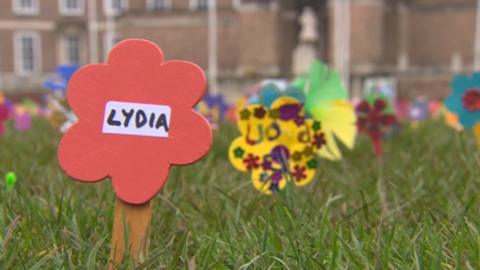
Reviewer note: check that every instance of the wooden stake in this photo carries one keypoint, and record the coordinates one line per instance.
(136, 219)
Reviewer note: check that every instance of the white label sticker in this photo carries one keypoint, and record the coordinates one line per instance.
(136, 119)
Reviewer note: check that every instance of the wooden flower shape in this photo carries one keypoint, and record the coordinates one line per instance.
(135, 120)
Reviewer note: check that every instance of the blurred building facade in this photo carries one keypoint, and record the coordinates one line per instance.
(419, 42)
(38, 35)
(422, 43)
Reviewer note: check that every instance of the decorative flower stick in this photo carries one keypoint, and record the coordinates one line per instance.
(464, 101)
(135, 121)
(10, 180)
(277, 145)
(4, 113)
(374, 117)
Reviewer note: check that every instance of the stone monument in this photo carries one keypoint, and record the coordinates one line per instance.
(305, 51)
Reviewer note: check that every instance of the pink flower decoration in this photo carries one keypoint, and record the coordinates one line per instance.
(3, 117)
(138, 165)
(23, 121)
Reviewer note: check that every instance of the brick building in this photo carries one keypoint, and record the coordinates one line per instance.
(37, 35)
(419, 42)
(422, 43)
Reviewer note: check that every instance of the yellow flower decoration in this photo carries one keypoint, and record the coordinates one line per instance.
(277, 145)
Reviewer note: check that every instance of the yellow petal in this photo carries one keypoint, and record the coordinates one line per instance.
(338, 121)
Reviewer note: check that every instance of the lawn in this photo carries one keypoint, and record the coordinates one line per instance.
(417, 209)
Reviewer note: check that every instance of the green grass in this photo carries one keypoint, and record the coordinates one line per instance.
(419, 210)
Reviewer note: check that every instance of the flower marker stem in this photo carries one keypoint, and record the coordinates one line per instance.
(136, 220)
(377, 147)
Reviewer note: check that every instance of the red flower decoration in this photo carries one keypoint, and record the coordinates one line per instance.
(138, 165)
(260, 112)
(251, 162)
(374, 119)
(319, 140)
(299, 173)
(3, 117)
(471, 100)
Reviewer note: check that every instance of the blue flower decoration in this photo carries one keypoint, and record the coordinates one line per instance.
(59, 81)
(465, 99)
(270, 92)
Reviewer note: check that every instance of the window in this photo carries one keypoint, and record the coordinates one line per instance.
(114, 7)
(71, 7)
(27, 52)
(199, 4)
(159, 4)
(109, 40)
(72, 50)
(25, 7)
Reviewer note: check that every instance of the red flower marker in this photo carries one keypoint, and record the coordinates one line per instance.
(374, 118)
(3, 117)
(135, 120)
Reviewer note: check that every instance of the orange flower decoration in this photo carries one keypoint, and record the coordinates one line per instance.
(135, 120)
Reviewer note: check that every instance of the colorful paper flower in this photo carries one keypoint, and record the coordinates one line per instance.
(213, 107)
(23, 119)
(374, 117)
(59, 116)
(435, 108)
(402, 110)
(4, 112)
(451, 119)
(277, 145)
(464, 99)
(138, 165)
(418, 110)
(270, 91)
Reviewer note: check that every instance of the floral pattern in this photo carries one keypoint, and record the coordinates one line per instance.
(464, 99)
(277, 145)
(374, 118)
(4, 113)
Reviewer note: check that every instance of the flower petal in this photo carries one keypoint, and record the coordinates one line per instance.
(380, 105)
(189, 141)
(89, 83)
(362, 124)
(363, 107)
(460, 84)
(468, 119)
(79, 154)
(138, 182)
(388, 119)
(135, 53)
(186, 79)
